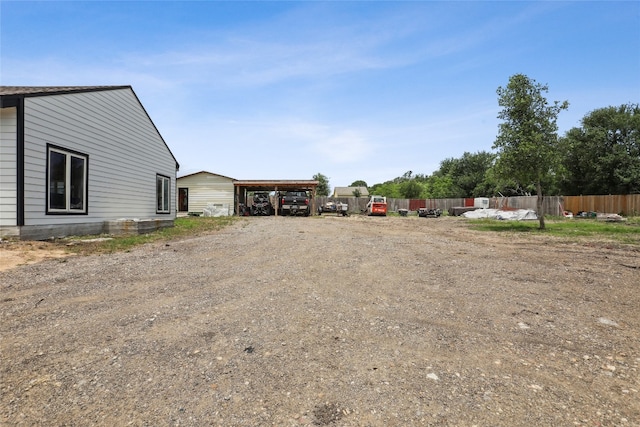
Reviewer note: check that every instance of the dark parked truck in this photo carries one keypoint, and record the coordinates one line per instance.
(295, 203)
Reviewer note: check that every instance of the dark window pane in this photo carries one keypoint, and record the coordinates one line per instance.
(77, 183)
(166, 194)
(57, 175)
(159, 193)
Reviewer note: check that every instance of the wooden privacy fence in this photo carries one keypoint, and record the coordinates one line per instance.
(627, 205)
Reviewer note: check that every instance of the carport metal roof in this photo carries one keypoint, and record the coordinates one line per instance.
(275, 185)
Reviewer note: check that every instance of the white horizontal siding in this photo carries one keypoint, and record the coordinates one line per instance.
(206, 188)
(125, 154)
(8, 167)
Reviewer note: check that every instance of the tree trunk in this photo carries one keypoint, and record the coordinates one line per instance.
(539, 205)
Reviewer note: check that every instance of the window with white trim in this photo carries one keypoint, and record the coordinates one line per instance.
(163, 186)
(66, 181)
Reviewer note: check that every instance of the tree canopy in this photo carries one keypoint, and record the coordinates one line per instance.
(527, 142)
(359, 183)
(468, 174)
(603, 155)
(323, 184)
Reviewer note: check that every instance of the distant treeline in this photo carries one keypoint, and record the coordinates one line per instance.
(602, 156)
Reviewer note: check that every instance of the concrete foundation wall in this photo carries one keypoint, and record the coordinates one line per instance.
(133, 227)
(10, 231)
(116, 228)
(44, 232)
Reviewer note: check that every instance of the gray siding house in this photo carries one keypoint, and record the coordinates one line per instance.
(202, 191)
(81, 160)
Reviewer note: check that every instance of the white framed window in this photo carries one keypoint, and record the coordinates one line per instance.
(67, 175)
(163, 193)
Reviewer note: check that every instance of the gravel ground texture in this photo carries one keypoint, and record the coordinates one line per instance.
(327, 321)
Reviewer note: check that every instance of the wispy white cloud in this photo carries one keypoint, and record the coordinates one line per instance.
(252, 57)
(342, 85)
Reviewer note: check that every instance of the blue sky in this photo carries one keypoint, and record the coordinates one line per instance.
(353, 90)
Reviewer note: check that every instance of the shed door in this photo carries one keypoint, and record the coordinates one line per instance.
(183, 200)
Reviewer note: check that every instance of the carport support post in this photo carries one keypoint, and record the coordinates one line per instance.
(313, 201)
(237, 189)
(277, 201)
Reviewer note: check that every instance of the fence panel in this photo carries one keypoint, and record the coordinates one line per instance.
(415, 204)
(627, 205)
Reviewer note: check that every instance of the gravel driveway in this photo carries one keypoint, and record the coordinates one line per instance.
(358, 321)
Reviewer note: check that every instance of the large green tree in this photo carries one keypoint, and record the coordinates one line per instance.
(468, 174)
(445, 177)
(440, 187)
(389, 189)
(410, 189)
(527, 140)
(323, 184)
(359, 183)
(603, 155)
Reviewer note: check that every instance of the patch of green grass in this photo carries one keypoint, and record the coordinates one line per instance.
(496, 225)
(187, 226)
(627, 232)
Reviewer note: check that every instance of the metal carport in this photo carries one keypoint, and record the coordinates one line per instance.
(242, 187)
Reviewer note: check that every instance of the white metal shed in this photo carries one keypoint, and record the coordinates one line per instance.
(203, 190)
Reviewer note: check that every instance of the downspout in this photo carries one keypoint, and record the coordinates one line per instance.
(20, 162)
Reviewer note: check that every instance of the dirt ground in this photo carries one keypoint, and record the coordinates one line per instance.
(14, 253)
(326, 321)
